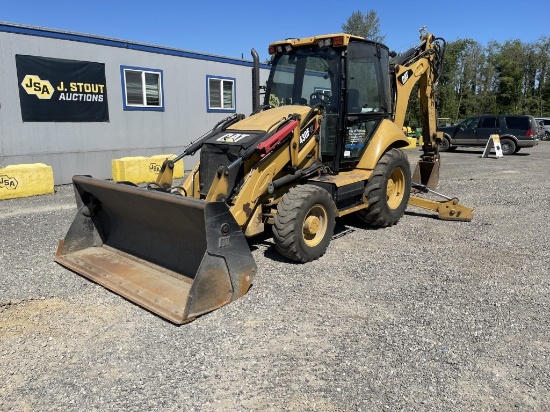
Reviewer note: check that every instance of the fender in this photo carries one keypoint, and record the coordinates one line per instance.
(387, 136)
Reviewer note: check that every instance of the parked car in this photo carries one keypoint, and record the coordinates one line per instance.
(515, 131)
(546, 123)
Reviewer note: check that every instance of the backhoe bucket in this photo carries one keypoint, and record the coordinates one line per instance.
(177, 257)
(427, 173)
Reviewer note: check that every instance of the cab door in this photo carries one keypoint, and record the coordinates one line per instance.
(366, 100)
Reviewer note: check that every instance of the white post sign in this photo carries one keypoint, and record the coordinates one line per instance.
(494, 141)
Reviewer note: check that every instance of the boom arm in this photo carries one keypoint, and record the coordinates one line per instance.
(421, 65)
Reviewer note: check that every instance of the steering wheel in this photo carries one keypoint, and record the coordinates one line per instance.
(317, 97)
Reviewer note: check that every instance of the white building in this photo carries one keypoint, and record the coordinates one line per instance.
(76, 101)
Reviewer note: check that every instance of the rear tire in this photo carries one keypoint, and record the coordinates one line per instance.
(304, 223)
(388, 190)
(508, 147)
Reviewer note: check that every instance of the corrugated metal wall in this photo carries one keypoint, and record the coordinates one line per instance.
(88, 148)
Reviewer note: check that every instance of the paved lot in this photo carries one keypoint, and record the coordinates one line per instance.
(425, 315)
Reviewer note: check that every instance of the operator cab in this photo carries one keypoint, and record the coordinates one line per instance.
(348, 76)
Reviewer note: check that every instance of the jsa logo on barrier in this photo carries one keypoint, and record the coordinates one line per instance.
(154, 167)
(7, 182)
(43, 89)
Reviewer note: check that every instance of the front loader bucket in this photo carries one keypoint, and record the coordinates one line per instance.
(177, 257)
(427, 173)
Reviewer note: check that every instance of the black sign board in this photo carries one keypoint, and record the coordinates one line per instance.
(59, 90)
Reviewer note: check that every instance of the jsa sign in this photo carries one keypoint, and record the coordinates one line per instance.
(59, 90)
(7, 182)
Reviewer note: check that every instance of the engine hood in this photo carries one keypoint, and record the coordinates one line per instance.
(264, 120)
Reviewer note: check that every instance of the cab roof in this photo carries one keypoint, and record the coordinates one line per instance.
(343, 40)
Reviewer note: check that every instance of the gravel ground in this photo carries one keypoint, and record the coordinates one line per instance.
(425, 315)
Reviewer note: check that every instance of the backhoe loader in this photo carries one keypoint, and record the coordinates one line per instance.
(326, 142)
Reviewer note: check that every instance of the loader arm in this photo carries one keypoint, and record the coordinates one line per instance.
(219, 191)
(166, 175)
(274, 157)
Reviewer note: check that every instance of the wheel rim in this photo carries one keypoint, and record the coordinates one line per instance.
(315, 226)
(396, 188)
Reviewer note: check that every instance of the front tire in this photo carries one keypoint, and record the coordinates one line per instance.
(388, 190)
(304, 223)
(508, 147)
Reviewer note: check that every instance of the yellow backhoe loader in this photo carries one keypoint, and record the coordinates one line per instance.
(326, 142)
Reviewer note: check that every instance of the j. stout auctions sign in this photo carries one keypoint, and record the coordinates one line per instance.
(58, 90)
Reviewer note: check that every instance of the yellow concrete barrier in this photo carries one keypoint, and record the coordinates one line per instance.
(140, 169)
(412, 143)
(25, 180)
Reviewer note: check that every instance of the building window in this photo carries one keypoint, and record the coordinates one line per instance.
(142, 89)
(220, 93)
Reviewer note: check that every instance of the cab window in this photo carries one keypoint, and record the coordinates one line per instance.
(366, 82)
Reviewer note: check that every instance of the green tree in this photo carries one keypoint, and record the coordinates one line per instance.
(471, 80)
(364, 25)
(542, 48)
(511, 63)
(489, 80)
(458, 83)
